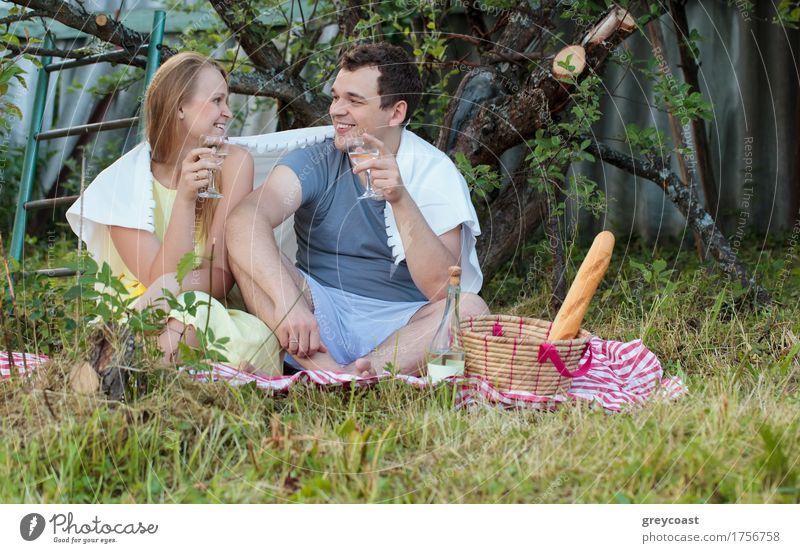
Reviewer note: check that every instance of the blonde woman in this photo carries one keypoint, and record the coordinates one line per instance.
(142, 215)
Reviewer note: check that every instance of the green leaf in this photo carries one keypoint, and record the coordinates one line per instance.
(10, 39)
(188, 262)
(118, 287)
(14, 110)
(346, 428)
(186, 351)
(785, 363)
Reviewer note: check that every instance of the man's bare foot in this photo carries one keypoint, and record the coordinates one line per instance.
(361, 367)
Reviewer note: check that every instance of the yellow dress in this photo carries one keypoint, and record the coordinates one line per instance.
(249, 338)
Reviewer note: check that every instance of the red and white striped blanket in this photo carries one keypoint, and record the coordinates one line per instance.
(621, 374)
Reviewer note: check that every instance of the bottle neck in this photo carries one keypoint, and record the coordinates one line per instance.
(452, 313)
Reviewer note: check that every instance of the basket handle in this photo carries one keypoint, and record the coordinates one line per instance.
(548, 352)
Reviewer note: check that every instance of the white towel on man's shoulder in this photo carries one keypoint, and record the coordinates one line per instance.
(441, 193)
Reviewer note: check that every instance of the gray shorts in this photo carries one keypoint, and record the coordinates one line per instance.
(350, 325)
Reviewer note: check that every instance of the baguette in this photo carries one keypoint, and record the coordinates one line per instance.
(569, 318)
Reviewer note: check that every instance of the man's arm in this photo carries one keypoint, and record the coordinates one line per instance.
(253, 249)
(428, 256)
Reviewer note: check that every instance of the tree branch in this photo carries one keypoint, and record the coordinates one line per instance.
(514, 117)
(254, 37)
(310, 107)
(77, 17)
(274, 81)
(348, 14)
(686, 200)
(690, 70)
(678, 138)
(25, 16)
(115, 56)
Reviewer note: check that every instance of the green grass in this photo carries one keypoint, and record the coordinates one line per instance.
(734, 438)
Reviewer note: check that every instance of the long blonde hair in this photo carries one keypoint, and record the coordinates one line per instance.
(172, 86)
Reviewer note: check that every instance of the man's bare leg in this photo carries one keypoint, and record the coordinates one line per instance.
(261, 305)
(406, 347)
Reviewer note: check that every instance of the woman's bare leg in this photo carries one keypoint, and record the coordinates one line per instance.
(174, 331)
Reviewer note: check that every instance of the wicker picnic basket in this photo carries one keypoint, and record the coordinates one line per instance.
(506, 351)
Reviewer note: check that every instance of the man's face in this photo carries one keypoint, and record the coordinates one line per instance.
(356, 105)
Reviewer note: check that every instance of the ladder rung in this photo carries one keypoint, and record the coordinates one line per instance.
(86, 129)
(60, 272)
(50, 202)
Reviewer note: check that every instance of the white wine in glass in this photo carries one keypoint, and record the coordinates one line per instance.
(219, 151)
(360, 151)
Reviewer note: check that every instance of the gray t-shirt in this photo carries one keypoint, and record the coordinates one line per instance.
(342, 241)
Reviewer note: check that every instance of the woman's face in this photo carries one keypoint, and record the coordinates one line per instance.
(207, 110)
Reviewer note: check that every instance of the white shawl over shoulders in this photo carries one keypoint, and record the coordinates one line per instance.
(121, 195)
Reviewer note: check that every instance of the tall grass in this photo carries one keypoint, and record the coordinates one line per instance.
(733, 438)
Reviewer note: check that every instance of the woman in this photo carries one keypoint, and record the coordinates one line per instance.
(142, 215)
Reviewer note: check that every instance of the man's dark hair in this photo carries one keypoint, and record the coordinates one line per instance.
(399, 78)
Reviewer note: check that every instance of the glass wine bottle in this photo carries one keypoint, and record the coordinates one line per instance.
(446, 354)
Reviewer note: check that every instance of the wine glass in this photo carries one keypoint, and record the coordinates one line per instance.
(219, 151)
(360, 151)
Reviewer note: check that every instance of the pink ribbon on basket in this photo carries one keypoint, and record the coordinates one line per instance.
(497, 329)
(548, 352)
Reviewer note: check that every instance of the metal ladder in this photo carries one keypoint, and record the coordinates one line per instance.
(24, 203)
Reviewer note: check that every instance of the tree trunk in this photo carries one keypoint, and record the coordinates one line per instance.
(678, 137)
(348, 14)
(699, 136)
(514, 216)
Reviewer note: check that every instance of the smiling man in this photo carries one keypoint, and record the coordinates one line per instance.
(371, 275)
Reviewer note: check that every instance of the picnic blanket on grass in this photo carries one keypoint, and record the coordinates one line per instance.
(621, 374)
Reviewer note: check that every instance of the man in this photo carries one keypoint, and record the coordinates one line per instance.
(371, 276)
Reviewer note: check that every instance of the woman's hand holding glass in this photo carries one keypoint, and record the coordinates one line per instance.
(218, 151)
(196, 172)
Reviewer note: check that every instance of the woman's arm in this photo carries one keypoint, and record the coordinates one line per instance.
(142, 251)
(236, 183)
